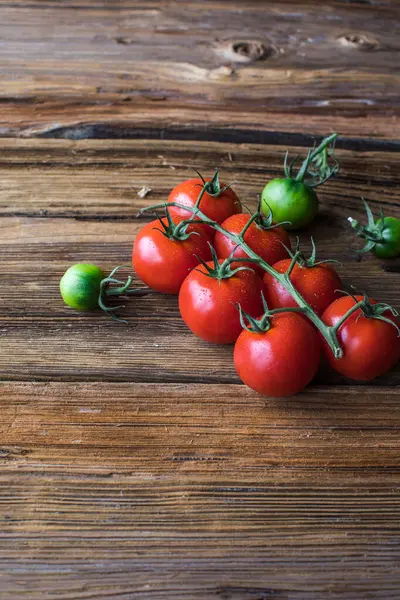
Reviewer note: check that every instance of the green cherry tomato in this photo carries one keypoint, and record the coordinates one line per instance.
(389, 245)
(80, 286)
(290, 200)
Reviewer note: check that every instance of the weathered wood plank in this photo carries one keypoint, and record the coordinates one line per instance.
(269, 66)
(103, 481)
(187, 490)
(101, 178)
(229, 423)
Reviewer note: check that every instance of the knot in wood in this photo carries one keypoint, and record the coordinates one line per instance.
(244, 51)
(359, 41)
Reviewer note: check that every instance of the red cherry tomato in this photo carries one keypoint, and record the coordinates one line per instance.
(281, 361)
(207, 305)
(218, 208)
(318, 285)
(371, 346)
(267, 243)
(163, 263)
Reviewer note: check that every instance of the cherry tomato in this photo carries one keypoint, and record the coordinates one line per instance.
(388, 246)
(317, 284)
(290, 200)
(267, 243)
(218, 208)
(163, 263)
(280, 361)
(80, 286)
(207, 305)
(383, 235)
(371, 346)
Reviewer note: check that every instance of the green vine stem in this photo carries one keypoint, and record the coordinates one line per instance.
(319, 165)
(323, 145)
(107, 290)
(372, 232)
(263, 324)
(328, 333)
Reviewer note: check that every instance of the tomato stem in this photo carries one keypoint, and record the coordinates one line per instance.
(319, 165)
(264, 323)
(304, 168)
(124, 289)
(351, 310)
(247, 225)
(327, 332)
(115, 292)
(310, 261)
(295, 259)
(323, 145)
(372, 232)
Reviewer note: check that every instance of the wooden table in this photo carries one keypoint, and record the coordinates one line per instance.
(133, 463)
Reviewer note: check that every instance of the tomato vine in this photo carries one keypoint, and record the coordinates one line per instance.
(328, 333)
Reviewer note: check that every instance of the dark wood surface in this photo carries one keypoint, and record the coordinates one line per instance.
(133, 463)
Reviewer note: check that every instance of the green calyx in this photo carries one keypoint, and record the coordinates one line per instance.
(369, 311)
(213, 187)
(106, 291)
(319, 165)
(255, 325)
(263, 221)
(372, 232)
(376, 311)
(174, 231)
(223, 270)
(263, 324)
(311, 261)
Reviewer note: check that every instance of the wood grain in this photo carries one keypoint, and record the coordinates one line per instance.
(101, 178)
(64, 202)
(162, 482)
(134, 464)
(159, 65)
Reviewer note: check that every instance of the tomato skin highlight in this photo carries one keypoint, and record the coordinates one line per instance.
(207, 305)
(267, 243)
(370, 346)
(80, 286)
(217, 208)
(290, 200)
(163, 263)
(389, 247)
(281, 361)
(318, 285)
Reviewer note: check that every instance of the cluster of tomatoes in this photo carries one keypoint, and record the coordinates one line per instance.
(239, 281)
(226, 297)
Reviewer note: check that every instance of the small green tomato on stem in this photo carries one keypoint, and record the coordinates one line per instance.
(86, 287)
(80, 286)
(382, 236)
(293, 198)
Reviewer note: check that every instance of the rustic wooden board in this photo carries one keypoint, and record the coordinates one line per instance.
(100, 179)
(144, 491)
(134, 464)
(166, 66)
(201, 491)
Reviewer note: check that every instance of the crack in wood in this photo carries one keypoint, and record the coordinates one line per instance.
(223, 135)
